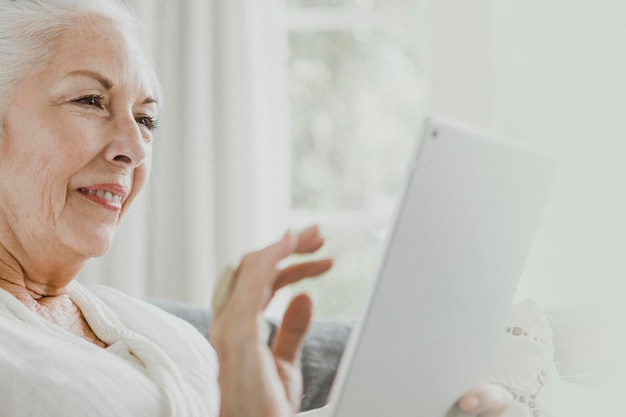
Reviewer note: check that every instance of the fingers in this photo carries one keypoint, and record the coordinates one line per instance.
(253, 284)
(487, 401)
(295, 273)
(309, 240)
(246, 363)
(293, 329)
(257, 278)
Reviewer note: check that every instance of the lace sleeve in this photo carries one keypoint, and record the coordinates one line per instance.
(525, 361)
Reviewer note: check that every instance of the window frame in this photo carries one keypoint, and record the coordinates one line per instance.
(455, 28)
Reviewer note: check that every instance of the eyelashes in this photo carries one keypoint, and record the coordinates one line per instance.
(93, 100)
(148, 121)
(97, 101)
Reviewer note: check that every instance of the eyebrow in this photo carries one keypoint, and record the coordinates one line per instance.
(106, 83)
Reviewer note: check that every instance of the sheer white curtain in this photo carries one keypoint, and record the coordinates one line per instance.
(220, 166)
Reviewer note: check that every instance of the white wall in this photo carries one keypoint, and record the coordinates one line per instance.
(559, 81)
(553, 74)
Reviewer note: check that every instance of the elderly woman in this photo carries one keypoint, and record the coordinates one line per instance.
(78, 102)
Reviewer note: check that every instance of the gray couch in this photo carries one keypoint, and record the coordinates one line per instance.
(322, 350)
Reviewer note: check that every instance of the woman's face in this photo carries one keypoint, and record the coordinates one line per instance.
(77, 145)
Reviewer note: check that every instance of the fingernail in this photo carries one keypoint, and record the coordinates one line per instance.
(469, 404)
(312, 228)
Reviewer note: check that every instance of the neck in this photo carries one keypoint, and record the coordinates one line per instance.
(32, 281)
(42, 287)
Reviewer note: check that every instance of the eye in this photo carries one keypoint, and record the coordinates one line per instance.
(91, 100)
(148, 121)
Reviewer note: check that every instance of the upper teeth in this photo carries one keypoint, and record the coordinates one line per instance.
(107, 195)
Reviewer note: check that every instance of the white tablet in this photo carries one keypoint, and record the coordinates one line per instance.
(453, 257)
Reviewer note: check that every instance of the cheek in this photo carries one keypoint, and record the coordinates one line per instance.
(29, 165)
(32, 198)
(142, 172)
(53, 145)
(44, 185)
(140, 179)
(36, 165)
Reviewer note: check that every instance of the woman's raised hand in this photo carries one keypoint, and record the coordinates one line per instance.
(257, 380)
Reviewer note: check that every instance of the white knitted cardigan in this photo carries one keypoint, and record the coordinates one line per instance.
(156, 364)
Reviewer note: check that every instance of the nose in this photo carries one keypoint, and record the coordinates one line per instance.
(128, 148)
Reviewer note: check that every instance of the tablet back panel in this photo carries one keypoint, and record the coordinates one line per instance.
(447, 279)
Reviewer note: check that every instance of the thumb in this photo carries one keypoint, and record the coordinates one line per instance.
(293, 329)
(487, 401)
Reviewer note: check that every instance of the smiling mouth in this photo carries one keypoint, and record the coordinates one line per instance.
(106, 195)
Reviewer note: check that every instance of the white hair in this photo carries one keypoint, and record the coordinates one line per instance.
(29, 30)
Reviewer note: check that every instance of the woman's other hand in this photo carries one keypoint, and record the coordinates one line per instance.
(486, 401)
(257, 380)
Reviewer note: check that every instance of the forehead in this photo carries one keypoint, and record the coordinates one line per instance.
(97, 45)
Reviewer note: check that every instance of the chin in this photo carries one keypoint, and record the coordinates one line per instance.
(97, 252)
(92, 245)
(93, 251)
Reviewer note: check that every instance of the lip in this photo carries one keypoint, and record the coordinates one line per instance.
(117, 195)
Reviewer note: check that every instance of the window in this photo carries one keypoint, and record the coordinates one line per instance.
(358, 91)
